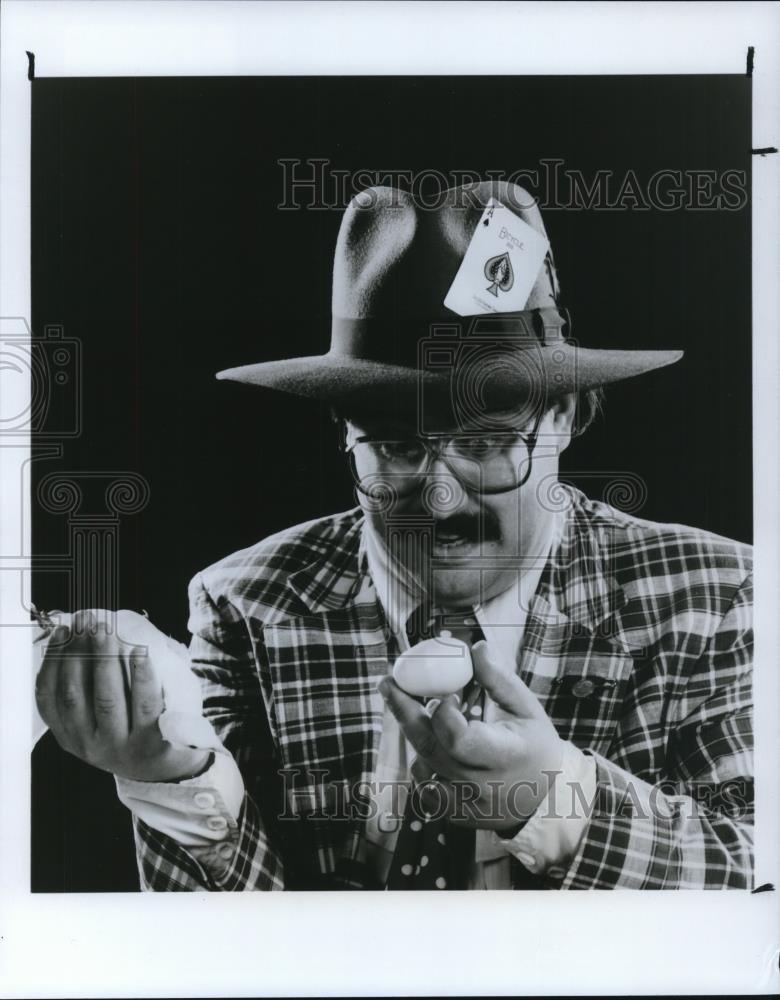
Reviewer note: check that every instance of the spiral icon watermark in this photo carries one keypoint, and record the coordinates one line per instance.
(442, 495)
(127, 494)
(626, 491)
(377, 493)
(59, 494)
(552, 495)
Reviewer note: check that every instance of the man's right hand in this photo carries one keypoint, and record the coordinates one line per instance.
(84, 696)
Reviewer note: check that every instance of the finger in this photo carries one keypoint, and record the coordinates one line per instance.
(146, 699)
(84, 623)
(416, 724)
(134, 630)
(475, 744)
(46, 681)
(60, 636)
(448, 724)
(504, 686)
(74, 699)
(110, 699)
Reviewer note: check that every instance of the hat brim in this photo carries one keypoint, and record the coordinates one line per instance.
(560, 368)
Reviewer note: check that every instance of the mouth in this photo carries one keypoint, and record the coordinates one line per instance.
(458, 532)
(449, 543)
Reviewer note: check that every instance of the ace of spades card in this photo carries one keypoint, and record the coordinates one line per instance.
(500, 266)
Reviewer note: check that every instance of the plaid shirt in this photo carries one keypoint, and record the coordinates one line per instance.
(289, 641)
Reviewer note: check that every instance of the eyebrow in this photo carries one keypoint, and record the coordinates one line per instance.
(387, 430)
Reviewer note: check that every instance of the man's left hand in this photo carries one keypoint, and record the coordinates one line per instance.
(489, 775)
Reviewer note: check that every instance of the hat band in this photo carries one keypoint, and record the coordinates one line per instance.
(403, 340)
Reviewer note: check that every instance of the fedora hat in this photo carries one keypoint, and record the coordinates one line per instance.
(393, 337)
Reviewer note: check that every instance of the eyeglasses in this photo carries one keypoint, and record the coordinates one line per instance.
(483, 463)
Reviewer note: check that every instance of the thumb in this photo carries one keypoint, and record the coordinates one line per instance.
(503, 685)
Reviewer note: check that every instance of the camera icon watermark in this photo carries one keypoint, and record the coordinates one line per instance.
(494, 371)
(42, 379)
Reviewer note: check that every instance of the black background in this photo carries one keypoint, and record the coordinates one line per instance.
(157, 242)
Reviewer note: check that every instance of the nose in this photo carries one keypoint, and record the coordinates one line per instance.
(442, 492)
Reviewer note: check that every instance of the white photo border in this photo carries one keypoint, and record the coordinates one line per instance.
(388, 944)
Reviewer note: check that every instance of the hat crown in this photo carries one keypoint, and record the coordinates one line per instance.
(396, 259)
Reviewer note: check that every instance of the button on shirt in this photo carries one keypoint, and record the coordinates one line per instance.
(201, 813)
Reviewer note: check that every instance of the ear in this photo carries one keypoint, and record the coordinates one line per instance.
(561, 416)
(349, 432)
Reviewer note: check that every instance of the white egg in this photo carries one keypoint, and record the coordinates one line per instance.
(434, 668)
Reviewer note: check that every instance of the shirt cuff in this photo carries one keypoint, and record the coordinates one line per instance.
(197, 812)
(553, 834)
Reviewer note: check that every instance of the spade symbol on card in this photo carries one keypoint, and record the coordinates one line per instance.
(498, 271)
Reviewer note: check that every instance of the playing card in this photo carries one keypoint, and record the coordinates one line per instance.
(500, 266)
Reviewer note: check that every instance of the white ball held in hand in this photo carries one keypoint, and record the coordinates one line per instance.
(434, 668)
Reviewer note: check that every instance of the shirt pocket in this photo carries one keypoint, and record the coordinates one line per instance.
(585, 697)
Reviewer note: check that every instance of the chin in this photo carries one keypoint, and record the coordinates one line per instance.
(457, 587)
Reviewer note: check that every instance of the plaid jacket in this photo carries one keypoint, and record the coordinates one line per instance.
(289, 641)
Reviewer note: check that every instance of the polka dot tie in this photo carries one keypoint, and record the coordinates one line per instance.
(430, 852)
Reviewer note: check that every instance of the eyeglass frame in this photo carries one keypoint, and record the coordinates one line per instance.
(428, 441)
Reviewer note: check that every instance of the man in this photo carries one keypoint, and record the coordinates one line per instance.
(607, 740)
